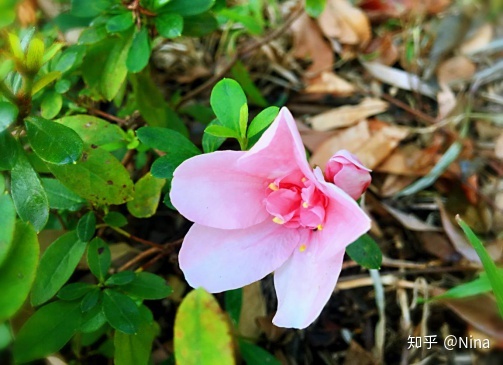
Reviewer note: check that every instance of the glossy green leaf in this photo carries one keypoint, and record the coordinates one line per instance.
(56, 266)
(86, 227)
(121, 312)
(51, 104)
(210, 142)
(120, 23)
(139, 53)
(47, 331)
(8, 223)
(147, 192)
(227, 98)
(255, 355)
(478, 286)
(221, 131)
(60, 197)
(135, 349)
(70, 58)
(169, 25)
(93, 130)
(5, 335)
(365, 252)
(187, 8)
(490, 268)
(200, 324)
(18, 270)
(54, 142)
(242, 76)
(52, 51)
(233, 303)
(148, 286)
(8, 114)
(10, 149)
(99, 258)
(315, 7)
(88, 9)
(262, 121)
(28, 194)
(98, 177)
(110, 54)
(120, 278)
(93, 320)
(93, 34)
(115, 219)
(75, 291)
(45, 80)
(91, 300)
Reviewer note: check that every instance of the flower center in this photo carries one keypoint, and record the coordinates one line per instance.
(295, 202)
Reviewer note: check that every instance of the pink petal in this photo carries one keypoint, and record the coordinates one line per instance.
(211, 190)
(220, 260)
(279, 151)
(354, 182)
(304, 285)
(351, 158)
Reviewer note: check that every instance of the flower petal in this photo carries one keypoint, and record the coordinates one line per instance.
(279, 151)
(211, 190)
(304, 285)
(220, 260)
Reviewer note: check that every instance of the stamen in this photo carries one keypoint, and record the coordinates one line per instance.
(303, 179)
(273, 187)
(302, 248)
(305, 204)
(278, 220)
(320, 227)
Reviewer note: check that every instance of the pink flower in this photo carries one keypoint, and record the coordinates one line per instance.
(261, 211)
(347, 172)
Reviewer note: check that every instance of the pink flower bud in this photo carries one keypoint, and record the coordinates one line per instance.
(347, 172)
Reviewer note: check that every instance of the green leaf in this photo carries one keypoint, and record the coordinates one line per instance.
(51, 104)
(70, 58)
(93, 320)
(243, 119)
(233, 303)
(490, 268)
(226, 99)
(135, 349)
(242, 76)
(28, 194)
(60, 197)
(121, 278)
(110, 54)
(53, 142)
(10, 151)
(199, 25)
(255, 355)
(262, 120)
(52, 51)
(94, 130)
(429, 179)
(120, 23)
(148, 286)
(365, 252)
(86, 227)
(89, 9)
(210, 142)
(44, 81)
(169, 25)
(139, 53)
(115, 219)
(152, 105)
(18, 270)
(56, 266)
(8, 114)
(93, 34)
(47, 331)
(238, 15)
(478, 286)
(8, 223)
(91, 299)
(121, 312)
(99, 258)
(75, 291)
(187, 8)
(200, 324)
(5, 335)
(34, 55)
(97, 177)
(221, 131)
(147, 192)
(315, 7)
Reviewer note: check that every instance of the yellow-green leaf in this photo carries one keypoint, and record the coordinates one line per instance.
(146, 196)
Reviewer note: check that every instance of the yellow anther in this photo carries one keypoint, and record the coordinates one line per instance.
(302, 248)
(303, 179)
(278, 220)
(305, 204)
(273, 186)
(320, 227)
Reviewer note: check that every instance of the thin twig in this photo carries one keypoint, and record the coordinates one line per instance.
(408, 109)
(108, 116)
(241, 53)
(138, 258)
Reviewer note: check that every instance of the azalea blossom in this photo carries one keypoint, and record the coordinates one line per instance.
(266, 210)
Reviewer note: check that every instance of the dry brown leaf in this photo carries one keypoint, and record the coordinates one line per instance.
(386, 51)
(382, 9)
(438, 245)
(410, 221)
(409, 160)
(479, 40)
(446, 102)
(458, 68)
(27, 12)
(253, 307)
(395, 183)
(347, 115)
(329, 82)
(498, 149)
(349, 139)
(357, 355)
(308, 42)
(346, 23)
